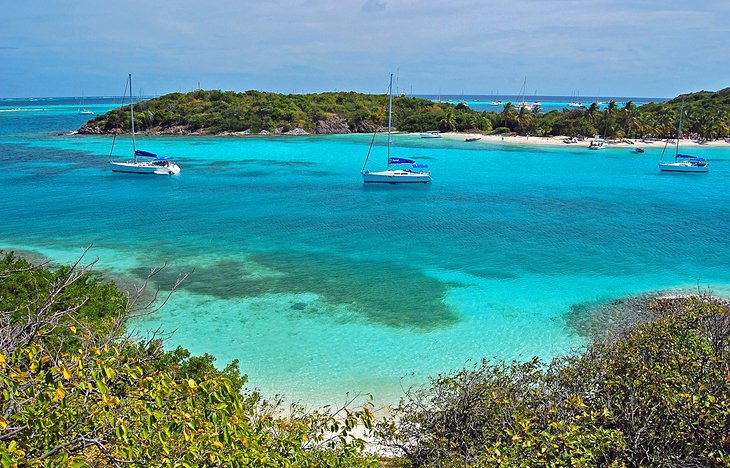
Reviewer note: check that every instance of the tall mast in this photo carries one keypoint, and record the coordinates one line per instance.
(679, 130)
(131, 109)
(390, 114)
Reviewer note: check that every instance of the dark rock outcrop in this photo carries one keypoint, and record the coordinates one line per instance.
(332, 125)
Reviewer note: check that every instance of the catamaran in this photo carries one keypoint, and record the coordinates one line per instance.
(144, 162)
(410, 173)
(682, 162)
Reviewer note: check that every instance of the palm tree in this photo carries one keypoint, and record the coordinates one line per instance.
(592, 112)
(508, 114)
(628, 116)
(610, 111)
(523, 118)
(448, 122)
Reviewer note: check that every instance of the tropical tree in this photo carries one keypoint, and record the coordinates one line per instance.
(448, 122)
(508, 114)
(523, 118)
(609, 115)
(592, 112)
(629, 114)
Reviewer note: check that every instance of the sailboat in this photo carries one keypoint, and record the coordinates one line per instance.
(682, 162)
(521, 98)
(84, 110)
(144, 162)
(412, 172)
(574, 101)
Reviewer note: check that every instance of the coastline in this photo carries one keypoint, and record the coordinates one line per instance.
(560, 141)
(508, 140)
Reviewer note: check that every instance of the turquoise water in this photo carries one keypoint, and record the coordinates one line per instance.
(321, 286)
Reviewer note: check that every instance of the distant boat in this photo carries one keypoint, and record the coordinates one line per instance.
(473, 139)
(523, 103)
(144, 162)
(495, 103)
(682, 162)
(575, 102)
(83, 110)
(597, 144)
(431, 134)
(639, 150)
(412, 172)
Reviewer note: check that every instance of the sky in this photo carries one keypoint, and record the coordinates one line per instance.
(634, 48)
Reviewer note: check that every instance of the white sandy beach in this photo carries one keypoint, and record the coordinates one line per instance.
(560, 141)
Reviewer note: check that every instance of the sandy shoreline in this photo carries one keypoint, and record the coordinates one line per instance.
(560, 141)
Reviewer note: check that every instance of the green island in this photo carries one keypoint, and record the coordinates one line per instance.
(707, 115)
(76, 389)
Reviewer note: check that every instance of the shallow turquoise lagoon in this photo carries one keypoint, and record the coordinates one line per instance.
(321, 286)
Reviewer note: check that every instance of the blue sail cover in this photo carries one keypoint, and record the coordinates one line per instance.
(420, 166)
(400, 161)
(145, 154)
(687, 156)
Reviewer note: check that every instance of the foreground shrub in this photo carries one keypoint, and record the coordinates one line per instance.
(101, 399)
(659, 396)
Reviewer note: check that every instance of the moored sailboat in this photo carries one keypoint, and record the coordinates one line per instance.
(411, 172)
(682, 162)
(144, 162)
(84, 110)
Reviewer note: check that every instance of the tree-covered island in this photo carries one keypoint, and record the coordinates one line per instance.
(706, 116)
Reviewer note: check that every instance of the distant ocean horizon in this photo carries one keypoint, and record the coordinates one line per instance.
(478, 102)
(322, 287)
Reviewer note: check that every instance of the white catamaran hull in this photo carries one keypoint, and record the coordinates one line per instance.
(132, 167)
(396, 177)
(683, 167)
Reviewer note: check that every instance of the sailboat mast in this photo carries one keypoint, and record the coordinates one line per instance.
(131, 109)
(679, 130)
(390, 114)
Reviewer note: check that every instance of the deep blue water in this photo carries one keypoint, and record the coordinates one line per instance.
(321, 286)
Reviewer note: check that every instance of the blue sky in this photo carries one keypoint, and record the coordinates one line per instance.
(651, 48)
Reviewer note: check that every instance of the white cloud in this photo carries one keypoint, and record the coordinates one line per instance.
(315, 45)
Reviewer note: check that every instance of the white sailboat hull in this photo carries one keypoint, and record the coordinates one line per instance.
(683, 167)
(145, 167)
(396, 177)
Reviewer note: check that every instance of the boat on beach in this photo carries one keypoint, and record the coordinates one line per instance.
(473, 139)
(682, 162)
(431, 134)
(406, 171)
(144, 162)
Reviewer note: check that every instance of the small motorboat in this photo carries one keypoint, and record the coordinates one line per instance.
(639, 150)
(473, 139)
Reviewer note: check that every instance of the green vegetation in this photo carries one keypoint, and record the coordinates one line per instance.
(217, 111)
(707, 116)
(75, 390)
(659, 396)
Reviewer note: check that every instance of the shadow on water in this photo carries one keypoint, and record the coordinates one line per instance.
(383, 293)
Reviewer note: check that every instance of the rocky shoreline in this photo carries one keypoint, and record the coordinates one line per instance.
(602, 321)
(333, 125)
